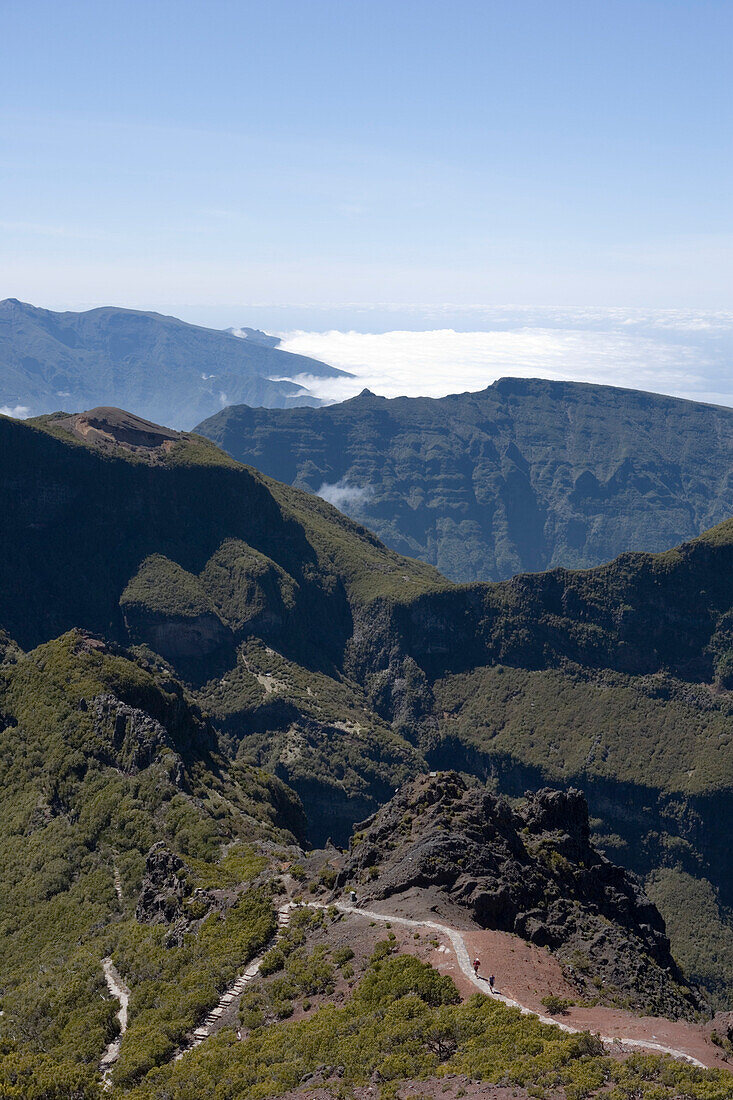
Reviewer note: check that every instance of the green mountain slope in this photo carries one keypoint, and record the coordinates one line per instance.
(172, 546)
(103, 757)
(523, 476)
(345, 669)
(159, 366)
(91, 520)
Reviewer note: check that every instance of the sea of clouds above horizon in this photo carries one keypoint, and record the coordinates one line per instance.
(683, 353)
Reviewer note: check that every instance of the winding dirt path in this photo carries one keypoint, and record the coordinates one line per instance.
(460, 951)
(119, 990)
(620, 1039)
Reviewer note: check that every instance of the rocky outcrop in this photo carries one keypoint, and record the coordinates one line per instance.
(720, 1030)
(166, 896)
(529, 869)
(163, 888)
(135, 738)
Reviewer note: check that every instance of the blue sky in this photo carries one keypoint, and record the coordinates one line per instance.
(218, 160)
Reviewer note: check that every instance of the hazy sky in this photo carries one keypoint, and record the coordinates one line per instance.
(217, 160)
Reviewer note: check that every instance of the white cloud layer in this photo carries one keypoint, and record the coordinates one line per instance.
(679, 353)
(343, 495)
(19, 412)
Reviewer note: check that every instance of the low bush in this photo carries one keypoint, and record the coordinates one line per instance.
(557, 1006)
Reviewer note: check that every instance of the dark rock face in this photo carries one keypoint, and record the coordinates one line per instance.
(530, 870)
(190, 644)
(134, 735)
(163, 888)
(166, 896)
(721, 1029)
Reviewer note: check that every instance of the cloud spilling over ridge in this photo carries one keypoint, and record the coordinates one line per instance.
(344, 495)
(679, 354)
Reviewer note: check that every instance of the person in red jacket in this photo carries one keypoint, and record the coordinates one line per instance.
(476, 965)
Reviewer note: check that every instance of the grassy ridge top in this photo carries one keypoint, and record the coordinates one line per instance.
(81, 518)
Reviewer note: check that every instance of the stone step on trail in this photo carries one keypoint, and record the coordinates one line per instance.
(236, 989)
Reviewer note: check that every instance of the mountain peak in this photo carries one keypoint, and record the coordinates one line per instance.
(368, 393)
(106, 426)
(164, 368)
(255, 336)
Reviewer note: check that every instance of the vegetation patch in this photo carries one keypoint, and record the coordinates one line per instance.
(404, 1021)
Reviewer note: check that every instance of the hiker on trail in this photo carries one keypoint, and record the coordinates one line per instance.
(352, 895)
(476, 965)
(491, 983)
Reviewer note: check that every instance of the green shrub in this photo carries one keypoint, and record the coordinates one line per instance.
(272, 961)
(341, 955)
(328, 877)
(557, 1006)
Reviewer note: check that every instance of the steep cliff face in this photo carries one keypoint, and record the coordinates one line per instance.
(639, 614)
(528, 869)
(525, 475)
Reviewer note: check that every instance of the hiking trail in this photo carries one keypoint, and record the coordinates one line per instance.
(236, 989)
(459, 949)
(119, 990)
(464, 962)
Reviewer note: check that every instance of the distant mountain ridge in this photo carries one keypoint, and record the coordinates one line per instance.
(523, 476)
(162, 368)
